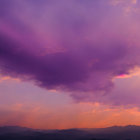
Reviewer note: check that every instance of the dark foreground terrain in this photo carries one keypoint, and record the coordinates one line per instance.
(111, 133)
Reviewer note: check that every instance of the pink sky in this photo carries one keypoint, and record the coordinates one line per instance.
(69, 64)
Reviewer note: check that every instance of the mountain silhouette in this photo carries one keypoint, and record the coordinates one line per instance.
(130, 132)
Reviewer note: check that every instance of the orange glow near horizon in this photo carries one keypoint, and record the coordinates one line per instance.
(90, 116)
(38, 111)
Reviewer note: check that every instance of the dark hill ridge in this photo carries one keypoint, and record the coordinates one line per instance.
(13, 129)
(130, 132)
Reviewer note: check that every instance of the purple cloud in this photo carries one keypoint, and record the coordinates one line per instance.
(75, 46)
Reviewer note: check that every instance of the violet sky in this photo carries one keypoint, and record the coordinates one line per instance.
(67, 59)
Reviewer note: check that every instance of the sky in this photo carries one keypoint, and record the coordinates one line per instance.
(69, 63)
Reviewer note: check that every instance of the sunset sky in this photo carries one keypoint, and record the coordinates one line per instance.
(69, 63)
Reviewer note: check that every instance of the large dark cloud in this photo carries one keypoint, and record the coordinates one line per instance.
(76, 46)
